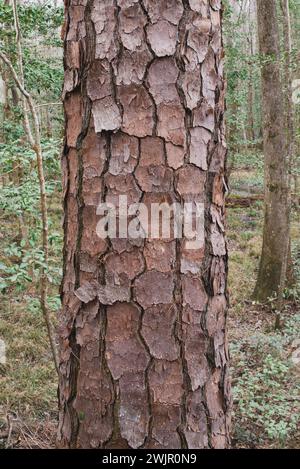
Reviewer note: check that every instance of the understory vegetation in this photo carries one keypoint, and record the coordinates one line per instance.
(264, 361)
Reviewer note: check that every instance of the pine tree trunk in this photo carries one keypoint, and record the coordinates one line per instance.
(144, 360)
(273, 263)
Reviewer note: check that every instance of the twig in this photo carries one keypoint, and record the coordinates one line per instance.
(48, 104)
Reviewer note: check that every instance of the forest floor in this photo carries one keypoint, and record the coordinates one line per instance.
(266, 380)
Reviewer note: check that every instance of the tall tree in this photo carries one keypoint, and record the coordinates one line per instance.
(251, 92)
(289, 111)
(273, 263)
(143, 326)
(289, 114)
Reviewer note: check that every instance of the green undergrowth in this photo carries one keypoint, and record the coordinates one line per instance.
(265, 377)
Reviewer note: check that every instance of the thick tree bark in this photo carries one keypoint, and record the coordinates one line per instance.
(144, 360)
(273, 263)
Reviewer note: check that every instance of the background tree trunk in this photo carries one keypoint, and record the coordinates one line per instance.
(251, 94)
(290, 119)
(273, 263)
(144, 103)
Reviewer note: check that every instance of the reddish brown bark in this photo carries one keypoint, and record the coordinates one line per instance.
(143, 336)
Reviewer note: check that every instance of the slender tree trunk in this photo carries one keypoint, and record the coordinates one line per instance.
(289, 116)
(289, 105)
(251, 134)
(273, 263)
(49, 131)
(143, 327)
(287, 33)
